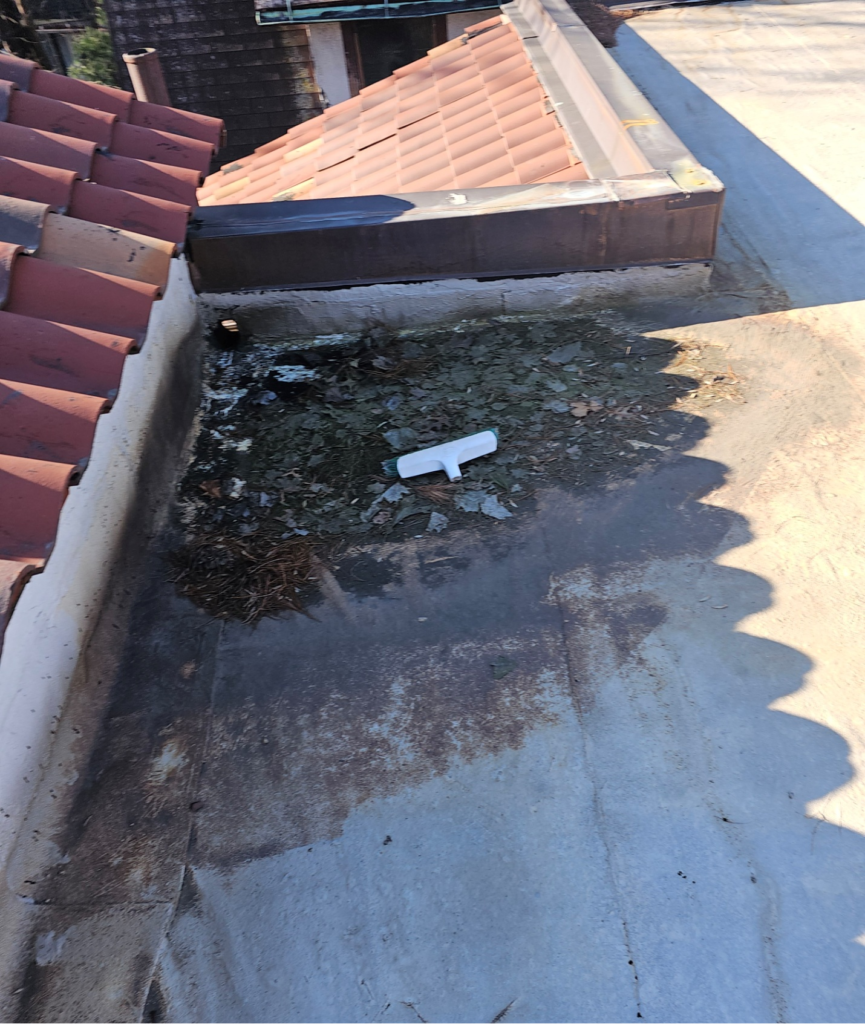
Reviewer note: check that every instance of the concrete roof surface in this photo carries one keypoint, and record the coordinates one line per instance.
(662, 816)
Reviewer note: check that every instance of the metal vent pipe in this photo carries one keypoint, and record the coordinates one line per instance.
(148, 82)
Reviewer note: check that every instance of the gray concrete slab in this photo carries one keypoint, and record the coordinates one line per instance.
(659, 813)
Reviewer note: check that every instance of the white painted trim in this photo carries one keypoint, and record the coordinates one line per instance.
(58, 609)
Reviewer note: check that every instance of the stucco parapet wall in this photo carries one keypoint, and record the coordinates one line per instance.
(49, 631)
(648, 202)
(306, 316)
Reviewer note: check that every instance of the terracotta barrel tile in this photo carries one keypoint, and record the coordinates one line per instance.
(9, 252)
(263, 190)
(453, 63)
(71, 242)
(340, 133)
(411, 115)
(508, 178)
(84, 94)
(17, 70)
(455, 87)
(437, 166)
(13, 576)
(533, 148)
(83, 298)
(521, 76)
(452, 44)
(467, 120)
(385, 164)
(36, 182)
(417, 84)
(480, 156)
(422, 147)
(302, 133)
(342, 112)
(268, 165)
(420, 128)
(331, 155)
(32, 493)
(324, 177)
(296, 172)
(420, 65)
(522, 89)
(483, 26)
(40, 147)
(384, 117)
(64, 119)
(379, 92)
(156, 218)
(160, 147)
(35, 351)
(22, 222)
(308, 149)
(432, 182)
(519, 109)
(220, 179)
(539, 128)
(470, 101)
(176, 184)
(179, 122)
(483, 174)
(474, 136)
(577, 172)
(47, 424)
(503, 68)
(300, 190)
(489, 30)
(376, 136)
(383, 184)
(547, 163)
(431, 151)
(505, 49)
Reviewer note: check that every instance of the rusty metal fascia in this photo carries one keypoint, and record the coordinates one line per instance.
(479, 233)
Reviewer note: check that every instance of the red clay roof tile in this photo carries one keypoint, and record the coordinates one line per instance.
(157, 218)
(176, 184)
(65, 331)
(36, 182)
(84, 94)
(48, 424)
(65, 119)
(469, 114)
(31, 496)
(41, 147)
(82, 298)
(35, 351)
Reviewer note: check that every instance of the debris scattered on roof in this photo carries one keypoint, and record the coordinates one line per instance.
(310, 456)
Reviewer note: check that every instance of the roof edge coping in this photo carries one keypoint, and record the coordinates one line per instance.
(558, 43)
(638, 121)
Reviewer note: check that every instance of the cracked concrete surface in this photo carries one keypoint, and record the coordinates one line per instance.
(659, 813)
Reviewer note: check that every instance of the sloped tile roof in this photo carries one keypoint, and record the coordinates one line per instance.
(471, 113)
(96, 189)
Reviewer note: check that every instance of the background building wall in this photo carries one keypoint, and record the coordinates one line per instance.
(218, 61)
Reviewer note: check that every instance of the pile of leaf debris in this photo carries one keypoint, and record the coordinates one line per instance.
(289, 459)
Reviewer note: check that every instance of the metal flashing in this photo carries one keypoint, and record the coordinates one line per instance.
(513, 150)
